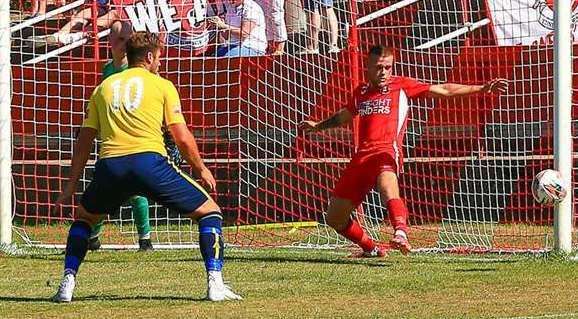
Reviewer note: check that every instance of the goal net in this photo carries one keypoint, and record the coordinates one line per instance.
(469, 161)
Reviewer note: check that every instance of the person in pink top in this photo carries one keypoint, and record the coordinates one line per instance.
(382, 107)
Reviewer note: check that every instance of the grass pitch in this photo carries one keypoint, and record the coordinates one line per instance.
(283, 283)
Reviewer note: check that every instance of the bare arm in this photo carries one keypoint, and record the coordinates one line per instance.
(80, 156)
(338, 118)
(243, 32)
(452, 89)
(186, 143)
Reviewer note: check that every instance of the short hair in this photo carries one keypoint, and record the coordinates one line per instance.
(140, 44)
(381, 50)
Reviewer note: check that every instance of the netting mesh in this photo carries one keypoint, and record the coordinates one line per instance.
(469, 161)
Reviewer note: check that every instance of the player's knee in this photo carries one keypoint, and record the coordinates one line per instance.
(83, 215)
(387, 185)
(338, 213)
(337, 222)
(388, 194)
(208, 207)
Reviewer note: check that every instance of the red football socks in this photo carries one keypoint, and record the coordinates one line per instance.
(356, 234)
(398, 214)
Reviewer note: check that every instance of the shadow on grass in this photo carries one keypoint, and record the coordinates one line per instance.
(252, 257)
(476, 270)
(102, 298)
(377, 262)
(106, 257)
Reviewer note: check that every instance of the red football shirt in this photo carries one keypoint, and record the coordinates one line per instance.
(383, 113)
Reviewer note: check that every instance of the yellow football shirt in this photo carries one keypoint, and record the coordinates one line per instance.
(129, 110)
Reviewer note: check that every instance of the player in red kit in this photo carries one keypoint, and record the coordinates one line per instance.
(382, 107)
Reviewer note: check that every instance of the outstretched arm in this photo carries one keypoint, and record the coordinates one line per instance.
(452, 89)
(243, 32)
(338, 118)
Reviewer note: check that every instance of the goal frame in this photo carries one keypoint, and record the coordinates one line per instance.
(563, 120)
(5, 127)
(562, 111)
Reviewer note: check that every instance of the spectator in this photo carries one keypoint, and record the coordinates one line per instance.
(39, 7)
(313, 9)
(66, 35)
(275, 24)
(243, 28)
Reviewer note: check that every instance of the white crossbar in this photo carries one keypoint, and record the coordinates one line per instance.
(381, 12)
(64, 49)
(454, 34)
(43, 17)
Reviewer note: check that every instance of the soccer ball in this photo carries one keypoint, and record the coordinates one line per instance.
(548, 187)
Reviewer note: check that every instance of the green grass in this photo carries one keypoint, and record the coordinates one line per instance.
(281, 283)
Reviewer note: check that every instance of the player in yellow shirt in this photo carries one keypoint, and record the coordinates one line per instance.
(120, 32)
(128, 112)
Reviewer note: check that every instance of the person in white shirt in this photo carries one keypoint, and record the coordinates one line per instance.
(275, 21)
(244, 28)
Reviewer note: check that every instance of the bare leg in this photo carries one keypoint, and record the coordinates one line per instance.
(339, 218)
(387, 186)
(84, 216)
(339, 213)
(42, 6)
(313, 27)
(333, 26)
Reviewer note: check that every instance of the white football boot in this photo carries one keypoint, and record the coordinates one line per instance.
(217, 290)
(65, 290)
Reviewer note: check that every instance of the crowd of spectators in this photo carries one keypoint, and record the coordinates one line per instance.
(239, 27)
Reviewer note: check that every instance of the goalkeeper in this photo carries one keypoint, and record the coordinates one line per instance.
(128, 111)
(382, 106)
(120, 32)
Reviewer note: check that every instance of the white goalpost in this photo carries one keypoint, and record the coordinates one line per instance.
(5, 127)
(563, 66)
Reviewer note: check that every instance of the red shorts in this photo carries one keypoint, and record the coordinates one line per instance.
(360, 176)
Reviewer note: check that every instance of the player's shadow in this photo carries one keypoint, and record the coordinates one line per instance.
(139, 297)
(476, 270)
(377, 262)
(102, 298)
(337, 260)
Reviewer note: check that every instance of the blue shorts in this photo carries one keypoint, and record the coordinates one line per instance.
(233, 51)
(103, 6)
(315, 5)
(149, 174)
